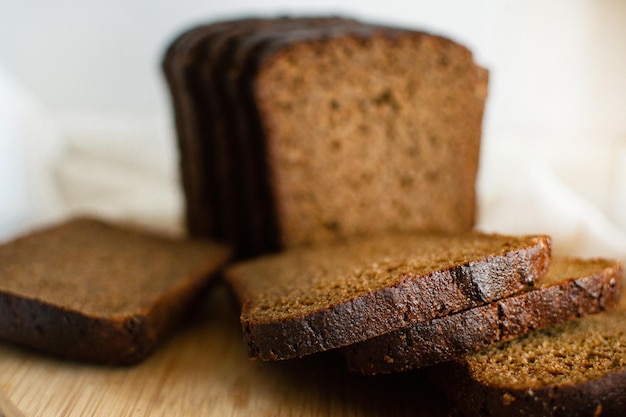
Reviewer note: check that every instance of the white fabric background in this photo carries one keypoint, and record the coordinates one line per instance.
(85, 124)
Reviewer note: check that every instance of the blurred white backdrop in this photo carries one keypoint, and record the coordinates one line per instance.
(85, 120)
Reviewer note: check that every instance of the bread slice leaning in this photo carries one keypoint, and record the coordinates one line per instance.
(571, 288)
(574, 369)
(313, 299)
(90, 291)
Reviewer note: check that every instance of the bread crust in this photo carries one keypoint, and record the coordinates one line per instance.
(178, 64)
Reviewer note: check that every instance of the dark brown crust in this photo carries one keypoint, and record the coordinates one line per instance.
(452, 336)
(602, 397)
(597, 397)
(415, 299)
(178, 65)
(107, 339)
(68, 334)
(217, 130)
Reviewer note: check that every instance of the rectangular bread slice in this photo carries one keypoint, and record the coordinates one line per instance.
(575, 369)
(350, 130)
(571, 288)
(90, 291)
(308, 300)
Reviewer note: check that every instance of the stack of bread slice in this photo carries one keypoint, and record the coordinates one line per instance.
(338, 160)
(352, 150)
(493, 318)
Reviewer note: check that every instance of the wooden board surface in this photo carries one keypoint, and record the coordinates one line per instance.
(202, 371)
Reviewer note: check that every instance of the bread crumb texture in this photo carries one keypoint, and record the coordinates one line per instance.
(372, 133)
(568, 354)
(101, 270)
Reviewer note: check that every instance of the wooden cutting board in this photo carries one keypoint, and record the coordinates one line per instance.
(203, 370)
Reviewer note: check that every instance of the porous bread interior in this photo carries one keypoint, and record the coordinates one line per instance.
(567, 354)
(371, 134)
(100, 270)
(565, 268)
(302, 281)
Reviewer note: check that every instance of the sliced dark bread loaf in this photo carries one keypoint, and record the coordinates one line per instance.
(365, 113)
(90, 291)
(308, 300)
(571, 288)
(575, 369)
(218, 172)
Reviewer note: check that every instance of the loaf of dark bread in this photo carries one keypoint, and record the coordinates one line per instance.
(91, 291)
(571, 288)
(308, 300)
(298, 131)
(575, 369)
(219, 177)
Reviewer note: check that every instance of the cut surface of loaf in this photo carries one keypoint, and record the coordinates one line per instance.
(92, 291)
(574, 369)
(370, 132)
(571, 288)
(349, 129)
(308, 300)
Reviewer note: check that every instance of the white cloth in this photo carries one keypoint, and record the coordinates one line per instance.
(529, 197)
(123, 171)
(29, 148)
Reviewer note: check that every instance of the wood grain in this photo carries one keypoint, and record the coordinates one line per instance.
(204, 371)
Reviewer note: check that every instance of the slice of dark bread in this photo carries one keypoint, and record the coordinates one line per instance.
(367, 114)
(575, 369)
(571, 288)
(308, 300)
(90, 291)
